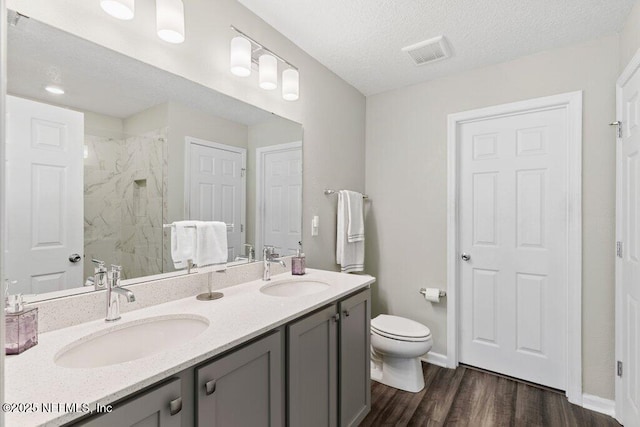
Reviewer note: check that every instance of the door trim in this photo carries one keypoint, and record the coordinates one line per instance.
(572, 103)
(625, 76)
(261, 153)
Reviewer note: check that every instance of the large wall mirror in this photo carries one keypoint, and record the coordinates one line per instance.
(102, 170)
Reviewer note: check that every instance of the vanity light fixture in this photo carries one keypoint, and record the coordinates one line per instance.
(121, 9)
(55, 90)
(240, 56)
(170, 20)
(290, 84)
(246, 51)
(268, 69)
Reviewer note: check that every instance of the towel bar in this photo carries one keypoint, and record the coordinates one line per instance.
(328, 192)
(229, 226)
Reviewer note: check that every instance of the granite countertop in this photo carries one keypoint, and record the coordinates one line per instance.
(33, 379)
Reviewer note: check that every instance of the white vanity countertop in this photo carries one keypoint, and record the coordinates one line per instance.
(244, 313)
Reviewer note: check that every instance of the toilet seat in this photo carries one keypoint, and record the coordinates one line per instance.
(400, 328)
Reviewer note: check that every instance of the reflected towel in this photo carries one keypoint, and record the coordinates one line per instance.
(183, 243)
(350, 255)
(211, 244)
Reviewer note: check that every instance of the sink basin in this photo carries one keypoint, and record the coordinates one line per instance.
(131, 341)
(294, 287)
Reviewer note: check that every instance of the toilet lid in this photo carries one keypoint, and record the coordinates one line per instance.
(397, 326)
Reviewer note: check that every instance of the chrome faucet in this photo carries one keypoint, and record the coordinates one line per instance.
(113, 292)
(250, 252)
(268, 256)
(99, 279)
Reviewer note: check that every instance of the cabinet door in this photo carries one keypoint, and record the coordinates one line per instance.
(244, 388)
(313, 370)
(355, 353)
(159, 407)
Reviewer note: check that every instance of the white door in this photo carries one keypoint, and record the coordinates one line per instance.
(628, 263)
(216, 188)
(513, 228)
(280, 196)
(44, 196)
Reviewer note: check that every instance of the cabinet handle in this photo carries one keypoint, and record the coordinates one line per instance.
(346, 313)
(210, 387)
(336, 317)
(175, 406)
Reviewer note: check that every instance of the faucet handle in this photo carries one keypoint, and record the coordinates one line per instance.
(99, 266)
(116, 267)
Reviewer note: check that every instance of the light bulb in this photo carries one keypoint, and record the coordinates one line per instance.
(56, 90)
(240, 56)
(121, 9)
(290, 84)
(170, 20)
(268, 69)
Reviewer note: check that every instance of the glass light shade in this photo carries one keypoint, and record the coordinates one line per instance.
(268, 67)
(290, 84)
(121, 9)
(56, 90)
(240, 56)
(170, 20)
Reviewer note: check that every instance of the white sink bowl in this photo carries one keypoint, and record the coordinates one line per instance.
(294, 287)
(131, 341)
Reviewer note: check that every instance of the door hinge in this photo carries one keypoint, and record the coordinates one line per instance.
(619, 368)
(242, 228)
(619, 249)
(243, 172)
(618, 124)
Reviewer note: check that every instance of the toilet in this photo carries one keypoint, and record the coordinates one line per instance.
(396, 346)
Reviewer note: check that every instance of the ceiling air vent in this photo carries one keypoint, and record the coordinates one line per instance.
(428, 51)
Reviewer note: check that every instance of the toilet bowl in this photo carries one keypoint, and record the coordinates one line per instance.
(396, 346)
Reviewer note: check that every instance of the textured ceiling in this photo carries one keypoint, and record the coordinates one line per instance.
(360, 40)
(103, 81)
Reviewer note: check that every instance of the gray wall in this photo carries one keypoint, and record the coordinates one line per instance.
(406, 175)
(331, 111)
(630, 36)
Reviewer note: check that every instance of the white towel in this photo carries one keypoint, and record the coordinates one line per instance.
(355, 225)
(183, 243)
(211, 244)
(350, 255)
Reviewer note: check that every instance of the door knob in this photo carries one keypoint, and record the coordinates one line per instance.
(75, 258)
(465, 256)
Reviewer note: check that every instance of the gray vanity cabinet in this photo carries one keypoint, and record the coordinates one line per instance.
(244, 388)
(313, 369)
(355, 354)
(328, 365)
(159, 407)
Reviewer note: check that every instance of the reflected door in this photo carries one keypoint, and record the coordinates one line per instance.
(280, 197)
(216, 188)
(628, 265)
(513, 235)
(44, 236)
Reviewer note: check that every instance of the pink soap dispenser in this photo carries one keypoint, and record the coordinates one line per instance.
(298, 262)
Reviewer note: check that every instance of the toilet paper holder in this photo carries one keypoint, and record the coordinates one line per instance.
(442, 293)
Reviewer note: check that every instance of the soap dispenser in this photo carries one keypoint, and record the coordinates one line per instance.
(21, 325)
(298, 262)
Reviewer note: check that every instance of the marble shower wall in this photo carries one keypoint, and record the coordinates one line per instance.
(125, 189)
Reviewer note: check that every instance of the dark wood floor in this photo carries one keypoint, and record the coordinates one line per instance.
(468, 397)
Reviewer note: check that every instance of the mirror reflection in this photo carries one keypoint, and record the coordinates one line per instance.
(105, 152)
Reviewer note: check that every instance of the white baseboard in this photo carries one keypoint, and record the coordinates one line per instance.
(599, 404)
(436, 359)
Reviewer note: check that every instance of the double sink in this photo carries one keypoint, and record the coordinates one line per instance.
(137, 339)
